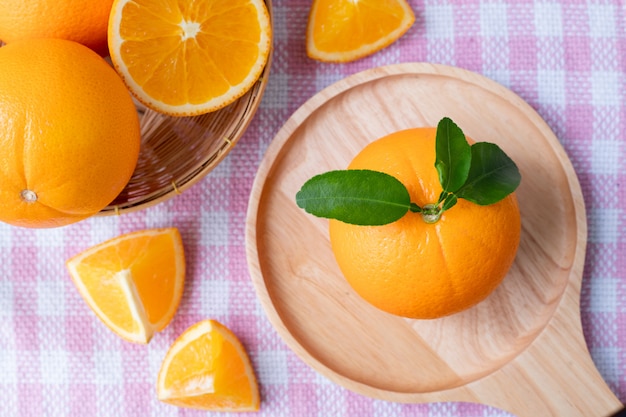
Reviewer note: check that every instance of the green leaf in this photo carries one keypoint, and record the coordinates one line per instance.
(453, 155)
(361, 197)
(415, 208)
(442, 196)
(449, 202)
(492, 175)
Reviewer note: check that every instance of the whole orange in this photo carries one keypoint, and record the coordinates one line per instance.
(69, 133)
(81, 21)
(419, 270)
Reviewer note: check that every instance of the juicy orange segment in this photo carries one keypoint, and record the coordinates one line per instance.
(186, 57)
(346, 30)
(133, 282)
(207, 368)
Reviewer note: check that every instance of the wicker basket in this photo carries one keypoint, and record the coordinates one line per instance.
(176, 152)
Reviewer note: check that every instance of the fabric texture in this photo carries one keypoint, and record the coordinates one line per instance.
(566, 58)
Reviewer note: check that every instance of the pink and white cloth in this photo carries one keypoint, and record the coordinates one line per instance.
(567, 58)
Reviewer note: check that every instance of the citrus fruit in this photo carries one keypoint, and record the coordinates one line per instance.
(81, 21)
(133, 282)
(208, 368)
(69, 133)
(186, 58)
(415, 269)
(347, 30)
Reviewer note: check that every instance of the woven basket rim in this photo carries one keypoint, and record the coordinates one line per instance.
(251, 102)
(244, 108)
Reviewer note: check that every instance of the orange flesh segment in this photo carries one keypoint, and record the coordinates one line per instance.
(208, 368)
(346, 30)
(134, 282)
(190, 54)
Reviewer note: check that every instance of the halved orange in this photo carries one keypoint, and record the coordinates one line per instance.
(188, 57)
(208, 368)
(347, 30)
(133, 282)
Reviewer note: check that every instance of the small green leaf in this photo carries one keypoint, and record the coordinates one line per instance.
(449, 202)
(453, 155)
(442, 196)
(415, 208)
(361, 197)
(492, 176)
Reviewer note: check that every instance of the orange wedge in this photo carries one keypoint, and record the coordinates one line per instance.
(347, 30)
(133, 282)
(207, 368)
(189, 57)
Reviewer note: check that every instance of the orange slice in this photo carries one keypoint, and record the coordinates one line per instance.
(207, 368)
(188, 57)
(347, 30)
(133, 282)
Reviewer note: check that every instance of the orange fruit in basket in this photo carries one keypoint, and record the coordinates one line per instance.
(347, 30)
(208, 368)
(419, 270)
(69, 133)
(77, 20)
(134, 282)
(186, 58)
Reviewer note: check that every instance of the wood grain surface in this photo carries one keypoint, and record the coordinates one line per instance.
(522, 349)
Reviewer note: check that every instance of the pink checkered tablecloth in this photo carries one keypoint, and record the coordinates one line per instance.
(566, 58)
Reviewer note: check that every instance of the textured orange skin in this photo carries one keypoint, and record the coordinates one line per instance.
(418, 270)
(69, 132)
(81, 21)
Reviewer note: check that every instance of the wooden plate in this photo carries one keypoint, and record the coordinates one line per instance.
(522, 349)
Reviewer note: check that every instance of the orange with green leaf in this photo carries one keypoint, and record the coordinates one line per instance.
(423, 224)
